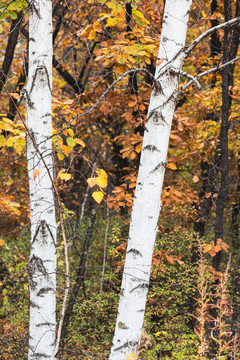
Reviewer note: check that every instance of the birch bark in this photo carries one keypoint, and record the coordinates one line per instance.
(147, 203)
(41, 267)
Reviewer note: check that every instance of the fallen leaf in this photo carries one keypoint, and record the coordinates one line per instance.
(36, 172)
(2, 242)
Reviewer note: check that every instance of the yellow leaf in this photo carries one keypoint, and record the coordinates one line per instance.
(101, 180)
(2, 140)
(2, 242)
(92, 34)
(138, 148)
(71, 133)
(91, 182)
(65, 176)
(60, 156)
(171, 166)
(80, 142)
(195, 179)
(36, 172)
(112, 21)
(131, 356)
(98, 196)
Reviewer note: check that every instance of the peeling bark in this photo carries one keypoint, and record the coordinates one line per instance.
(41, 267)
(147, 204)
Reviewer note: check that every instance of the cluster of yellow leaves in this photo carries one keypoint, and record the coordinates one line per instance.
(8, 206)
(16, 134)
(101, 182)
(63, 175)
(65, 150)
(131, 356)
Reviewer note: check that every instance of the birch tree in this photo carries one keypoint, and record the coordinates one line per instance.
(147, 203)
(41, 267)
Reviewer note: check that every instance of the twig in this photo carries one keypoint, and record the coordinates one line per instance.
(216, 68)
(86, 195)
(104, 251)
(103, 96)
(190, 47)
(64, 304)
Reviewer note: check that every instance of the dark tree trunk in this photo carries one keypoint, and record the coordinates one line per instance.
(11, 44)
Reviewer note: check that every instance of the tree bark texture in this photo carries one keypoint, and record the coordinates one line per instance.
(41, 267)
(230, 46)
(147, 203)
(11, 45)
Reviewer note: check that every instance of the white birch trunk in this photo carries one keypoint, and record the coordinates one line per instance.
(42, 263)
(147, 203)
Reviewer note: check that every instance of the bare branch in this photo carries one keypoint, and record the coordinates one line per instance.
(190, 47)
(103, 96)
(216, 68)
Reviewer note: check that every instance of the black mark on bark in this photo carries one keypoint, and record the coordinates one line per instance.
(35, 265)
(161, 166)
(135, 252)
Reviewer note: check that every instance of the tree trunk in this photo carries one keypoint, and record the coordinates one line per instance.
(147, 203)
(42, 263)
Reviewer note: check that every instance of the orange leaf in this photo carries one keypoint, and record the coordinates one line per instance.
(2, 242)
(142, 107)
(160, 61)
(171, 166)
(65, 149)
(98, 196)
(208, 195)
(36, 172)
(16, 96)
(195, 179)
(132, 103)
(225, 246)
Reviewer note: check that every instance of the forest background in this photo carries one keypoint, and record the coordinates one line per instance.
(193, 302)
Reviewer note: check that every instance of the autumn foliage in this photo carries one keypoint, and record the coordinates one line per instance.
(97, 144)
